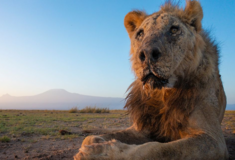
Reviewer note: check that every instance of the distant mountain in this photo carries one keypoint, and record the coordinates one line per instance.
(59, 99)
(230, 107)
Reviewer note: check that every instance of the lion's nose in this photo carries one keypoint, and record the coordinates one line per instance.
(142, 56)
(151, 55)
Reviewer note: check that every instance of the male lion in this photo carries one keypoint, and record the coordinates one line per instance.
(177, 101)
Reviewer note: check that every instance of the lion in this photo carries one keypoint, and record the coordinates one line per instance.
(177, 101)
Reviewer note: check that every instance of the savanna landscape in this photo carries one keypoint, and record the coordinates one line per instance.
(35, 134)
(176, 99)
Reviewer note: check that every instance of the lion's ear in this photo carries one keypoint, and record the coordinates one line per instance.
(133, 20)
(193, 13)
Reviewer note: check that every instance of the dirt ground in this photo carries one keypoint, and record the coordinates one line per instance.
(228, 127)
(51, 149)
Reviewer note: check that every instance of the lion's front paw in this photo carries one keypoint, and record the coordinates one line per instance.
(100, 151)
(92, 139)
(80, 156)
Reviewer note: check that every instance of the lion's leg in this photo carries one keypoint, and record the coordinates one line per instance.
(129, 136)
(200, 147)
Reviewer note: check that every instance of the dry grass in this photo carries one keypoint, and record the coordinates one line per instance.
(89, 109)
(29, 123)
(4, 139)
(94, 110)
(229, 121)
(74, 110)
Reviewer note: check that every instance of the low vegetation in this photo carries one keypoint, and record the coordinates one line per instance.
(4, 139)
(48, 123)
(229, 121)
(94, 110)
(74, 110)
(89, 109)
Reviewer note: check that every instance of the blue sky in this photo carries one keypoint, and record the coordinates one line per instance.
(82, 46)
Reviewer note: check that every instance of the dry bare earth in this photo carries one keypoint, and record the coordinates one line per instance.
(228, 127)
(34, 134)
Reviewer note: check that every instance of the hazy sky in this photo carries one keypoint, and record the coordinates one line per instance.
(82, 46)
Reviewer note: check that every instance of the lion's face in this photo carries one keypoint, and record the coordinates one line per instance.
(160, 43)
(158, 46)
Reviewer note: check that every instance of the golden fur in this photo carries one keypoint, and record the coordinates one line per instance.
(177, 101)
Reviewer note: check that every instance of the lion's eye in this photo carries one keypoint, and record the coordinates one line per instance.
(174, 29)
(139, 34)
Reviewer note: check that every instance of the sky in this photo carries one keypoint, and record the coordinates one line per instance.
(82, 46)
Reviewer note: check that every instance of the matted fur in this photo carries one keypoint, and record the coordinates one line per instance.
(177, 101)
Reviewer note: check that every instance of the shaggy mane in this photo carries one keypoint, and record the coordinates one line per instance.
(165, 116)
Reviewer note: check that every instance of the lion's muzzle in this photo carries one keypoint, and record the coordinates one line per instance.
(153, 81)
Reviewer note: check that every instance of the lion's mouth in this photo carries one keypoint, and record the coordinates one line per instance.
(154, 81)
